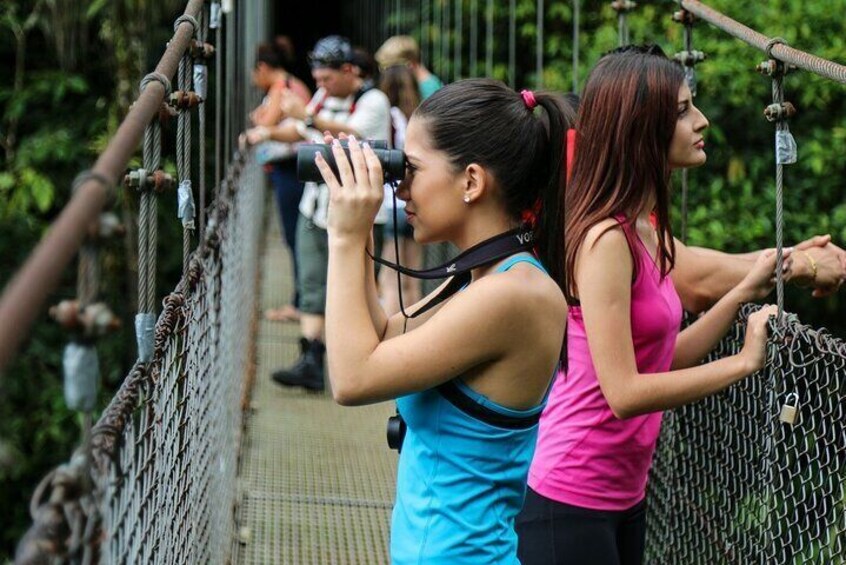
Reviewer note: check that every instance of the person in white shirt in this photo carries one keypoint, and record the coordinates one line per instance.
(342, 104)
(399, 84)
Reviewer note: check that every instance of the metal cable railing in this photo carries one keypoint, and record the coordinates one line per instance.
(782, 52)
(165, 450)
(757, 474)
(154, 480)
(26, 293)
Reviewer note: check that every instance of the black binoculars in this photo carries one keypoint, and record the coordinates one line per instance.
(392, 160)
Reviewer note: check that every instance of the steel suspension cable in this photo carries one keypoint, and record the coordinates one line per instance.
(785, 154)
(183, 163)
(623, 7)
(201, 86)
(688, 58)
(214, 23)
(539, 46)
(489, 42)
(437, 27)
(576, 31)
(459, 38)
(512, 43)
(445, 41)
(425, 32)
(474, 38)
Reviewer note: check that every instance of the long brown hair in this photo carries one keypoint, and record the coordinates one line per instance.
(400, 86)
(624, 128)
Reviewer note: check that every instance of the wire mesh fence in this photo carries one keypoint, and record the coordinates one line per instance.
(757, 474)
(156, 481)
(166, 448)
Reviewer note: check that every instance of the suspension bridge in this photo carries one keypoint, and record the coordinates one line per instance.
(199, 458)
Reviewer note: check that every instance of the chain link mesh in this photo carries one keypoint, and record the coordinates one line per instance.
(733, 483)
(166, 447)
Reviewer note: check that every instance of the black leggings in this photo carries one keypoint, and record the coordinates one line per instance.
(553, 533)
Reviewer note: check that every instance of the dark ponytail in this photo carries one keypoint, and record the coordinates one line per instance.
(483, 121)
(549, 226)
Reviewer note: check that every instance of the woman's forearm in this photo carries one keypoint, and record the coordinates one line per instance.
(377, 313)
(350, 332)
(698, 339)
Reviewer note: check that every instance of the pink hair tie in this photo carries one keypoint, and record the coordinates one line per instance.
(529, 99)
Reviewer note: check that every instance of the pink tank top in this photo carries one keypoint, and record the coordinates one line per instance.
(585, 456)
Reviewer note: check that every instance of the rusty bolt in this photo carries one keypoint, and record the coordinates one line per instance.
(162, 181)
(200, 50)
(166, 113)
(184, 100)
(141, 180)
(775, 112)
(135, 179)
(684, 17)
(623, 5)
(98, 320)
(66, 313)
(95, 320)
(689, 58)
(772, 67)
(106, 227)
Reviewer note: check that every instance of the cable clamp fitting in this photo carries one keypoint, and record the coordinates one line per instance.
(184, 100)
(684, 17)
(622, 6)
(145, 335)
(778, 112)
(141, 180)
(186, 211)
(689, 58)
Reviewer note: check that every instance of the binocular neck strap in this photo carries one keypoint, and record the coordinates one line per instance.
(489, 251)
(484, 253)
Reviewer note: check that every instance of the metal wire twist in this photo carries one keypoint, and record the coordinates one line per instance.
(778, 98)
(512, 43)
(202, 130)
(183, 146)
(690, 77)
(576, 32)
(489, 40)
(539, 45)
(147, 221)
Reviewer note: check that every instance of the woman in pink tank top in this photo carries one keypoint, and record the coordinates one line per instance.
(626, 359)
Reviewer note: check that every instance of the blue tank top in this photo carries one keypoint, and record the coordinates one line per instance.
(462, 474)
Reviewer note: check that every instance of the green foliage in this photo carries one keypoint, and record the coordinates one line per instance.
(53, 124)
(732, 199)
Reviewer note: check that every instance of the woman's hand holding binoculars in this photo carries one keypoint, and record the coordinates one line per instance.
(355, 193)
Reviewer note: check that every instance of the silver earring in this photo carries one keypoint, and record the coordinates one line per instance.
(467, 199)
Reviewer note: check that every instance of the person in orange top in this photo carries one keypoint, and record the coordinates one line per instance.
(279, 159)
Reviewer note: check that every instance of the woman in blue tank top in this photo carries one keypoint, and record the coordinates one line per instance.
(470, 375)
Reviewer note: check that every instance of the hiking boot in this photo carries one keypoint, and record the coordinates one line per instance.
(307, 372)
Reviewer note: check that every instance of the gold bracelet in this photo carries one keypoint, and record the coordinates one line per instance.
(813, 264)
